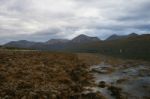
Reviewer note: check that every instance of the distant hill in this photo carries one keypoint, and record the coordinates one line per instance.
(20, 44)
(84, 39)
(134, 47)
(52, 44)
(116, 37)
(128, 46)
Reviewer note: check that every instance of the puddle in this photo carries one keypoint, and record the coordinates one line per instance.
(134, 81)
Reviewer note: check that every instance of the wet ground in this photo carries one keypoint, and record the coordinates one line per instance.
(122, 82)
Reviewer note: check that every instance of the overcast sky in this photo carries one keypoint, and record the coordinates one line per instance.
(40, 20)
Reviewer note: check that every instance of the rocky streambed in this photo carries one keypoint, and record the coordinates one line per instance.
(122, 82)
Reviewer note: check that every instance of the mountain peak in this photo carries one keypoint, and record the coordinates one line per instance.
(82, 35)
(116, 37)
(84, 38)
(133, 34)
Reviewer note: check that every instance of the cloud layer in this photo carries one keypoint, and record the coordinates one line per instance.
(40, 20)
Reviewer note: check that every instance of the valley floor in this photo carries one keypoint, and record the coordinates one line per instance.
(51, 75)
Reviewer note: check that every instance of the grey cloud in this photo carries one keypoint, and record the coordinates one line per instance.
(44, 19)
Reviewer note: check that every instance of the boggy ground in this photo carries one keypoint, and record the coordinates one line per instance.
(43, 75)
(119, 78)
(47, 75)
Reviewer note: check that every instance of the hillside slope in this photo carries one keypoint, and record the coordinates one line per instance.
(133, 47)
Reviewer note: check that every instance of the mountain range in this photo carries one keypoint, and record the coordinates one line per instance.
(52, 44)
(128, 46)
(115, 37)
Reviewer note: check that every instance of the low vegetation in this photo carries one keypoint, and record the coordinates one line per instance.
(27, 74)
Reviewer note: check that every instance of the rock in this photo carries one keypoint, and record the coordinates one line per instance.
(102, 84)
(117, 92)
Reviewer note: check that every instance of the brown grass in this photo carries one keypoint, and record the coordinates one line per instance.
(89, 58)
(41, 74)
(95, 59)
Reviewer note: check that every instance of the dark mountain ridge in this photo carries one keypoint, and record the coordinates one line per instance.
(20, 44)
(52, 44)
(134, 47)
(116, 37)
(128, 46)
(84, 39)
